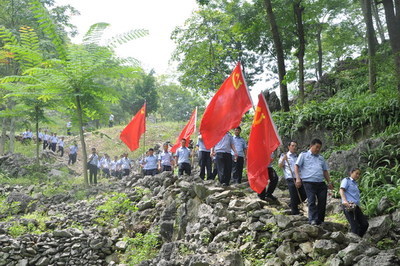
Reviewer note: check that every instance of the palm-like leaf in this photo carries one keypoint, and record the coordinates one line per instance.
(126, 37)
(95, 33)
(48, 26)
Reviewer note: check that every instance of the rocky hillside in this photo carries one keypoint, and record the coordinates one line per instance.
(166, 220)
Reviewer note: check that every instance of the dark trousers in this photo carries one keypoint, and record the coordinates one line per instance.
(126, 172)
(53, 146)
(214, 172)
(237, 170)
(150, 172)
(92, 174)
(316, 197)
(72, 158)
(106, 172)
(224, 167)
(273, 182)
(294, 195)
(61, 150)
(45, 144)
(166, 168)
(205, 164)
(184, 168)
(358, 221)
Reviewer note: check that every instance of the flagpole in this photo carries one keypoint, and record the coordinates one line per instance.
(144, 134)
(195, 121)
(245, 83)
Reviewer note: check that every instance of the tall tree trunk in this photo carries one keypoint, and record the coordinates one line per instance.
(3, 136)
(37, 133)
(12, 135)
(12, 128)
(319, 52)
(82, 138)
(366, 6)
(393, 25)
(279, 55)
(378, 22)
(298, 11)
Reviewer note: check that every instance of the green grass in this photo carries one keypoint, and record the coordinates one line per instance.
(141, 247)
(36, 226)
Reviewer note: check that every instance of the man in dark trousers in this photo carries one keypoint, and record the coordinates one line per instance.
(266, 194)
(92, 165)
(311, 170)
(237, 165)
(223, 158)
(204, 159)
(182, 159)
(287, 162)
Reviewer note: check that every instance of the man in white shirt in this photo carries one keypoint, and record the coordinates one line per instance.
(182, 159)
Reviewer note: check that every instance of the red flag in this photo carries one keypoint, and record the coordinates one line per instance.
(263, 140)
(226, 109)
(187, 131)
(132, 132)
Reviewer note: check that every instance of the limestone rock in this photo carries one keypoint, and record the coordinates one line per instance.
(20, 203)
(121, 245)
(323, 247)
(382, 259)
(379, 227)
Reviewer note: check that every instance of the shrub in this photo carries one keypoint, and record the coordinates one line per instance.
(115, 209)
(141, 247)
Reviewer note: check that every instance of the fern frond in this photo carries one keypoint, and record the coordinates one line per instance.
(48, 26)
(29, 38)
(126, 37)
(128, 61)
(7, 36)
(15, 79)
(95, 33)
(25, 56)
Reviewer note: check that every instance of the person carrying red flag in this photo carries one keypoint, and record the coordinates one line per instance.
(226, 108)
(187, 131)
(263, 141)
(223, 158)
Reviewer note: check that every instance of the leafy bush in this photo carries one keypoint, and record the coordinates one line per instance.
(115, 209)
(33, 223)
(348, 116)
(141, 247)
(381, 178)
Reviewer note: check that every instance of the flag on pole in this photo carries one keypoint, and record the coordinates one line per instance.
(226, 109)
(134, 130)
(187, 131)
(263, 141)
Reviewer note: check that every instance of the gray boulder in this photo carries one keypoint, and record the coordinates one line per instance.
(20, 203)
(379, 227)
(382, 259)
(324, 247)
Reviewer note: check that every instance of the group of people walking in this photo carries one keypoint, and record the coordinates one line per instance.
(49, 140)
(118, 167)
(306, 175)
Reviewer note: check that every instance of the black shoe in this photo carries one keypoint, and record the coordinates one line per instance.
(271, 197)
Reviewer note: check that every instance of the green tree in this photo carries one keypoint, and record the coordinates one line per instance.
(177, 103)
(27, 54)
(79, 69)
(392, 14)
(134, 91)
(209, 46)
